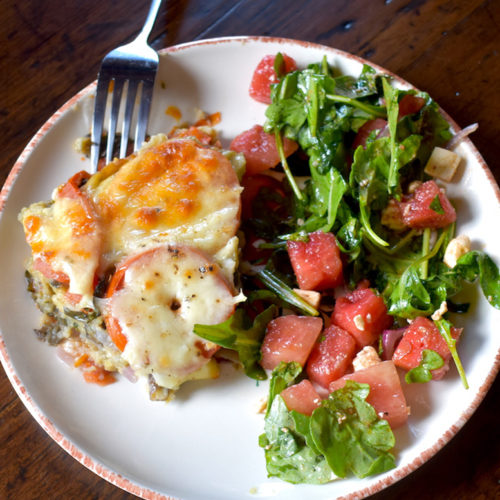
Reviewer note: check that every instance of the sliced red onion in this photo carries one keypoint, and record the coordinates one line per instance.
(390, 338)
(461, 135)
(129, 374)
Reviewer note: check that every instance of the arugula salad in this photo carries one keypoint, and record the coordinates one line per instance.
(351, 265)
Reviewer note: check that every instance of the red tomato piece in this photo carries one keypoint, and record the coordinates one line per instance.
(386, 394)
(301, 397)
(363, 314)
(410, 104)
(72, 188)
(366, 129)
(423, 334)
(265, 75)
(331, 356)
(46, 269)
(419, 212)
(316, 263)
(259, 149)
(289, 338)
(94, 374)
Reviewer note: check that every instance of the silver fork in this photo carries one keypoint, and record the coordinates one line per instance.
(131, 69)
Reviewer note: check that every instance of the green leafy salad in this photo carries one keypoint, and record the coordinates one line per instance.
(351, 262)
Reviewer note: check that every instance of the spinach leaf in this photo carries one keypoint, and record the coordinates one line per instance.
(341, 436)
(348, 432)
(242, 335)
(282, 376)
(287, 454)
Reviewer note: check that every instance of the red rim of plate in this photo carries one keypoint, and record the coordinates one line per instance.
(146, 493)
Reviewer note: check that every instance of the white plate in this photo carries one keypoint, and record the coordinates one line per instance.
(203, 445)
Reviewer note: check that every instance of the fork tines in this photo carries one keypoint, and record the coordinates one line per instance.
(120, 89)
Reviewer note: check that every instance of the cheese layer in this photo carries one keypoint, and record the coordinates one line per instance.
(172, 191)
(164, 293)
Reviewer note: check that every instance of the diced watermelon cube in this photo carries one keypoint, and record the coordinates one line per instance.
(386, 394)
(428, 206)
(366, 129)
(259, 149)
(420, 335)
(363, 314)
(289, 338)
(410, 104)
(265, 75)
(316, 263)
(331, 356)
(301, 397)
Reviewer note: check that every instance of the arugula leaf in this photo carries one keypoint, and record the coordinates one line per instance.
(368, 178)
(476, 264)
(431, 360)
(444, 327)
(284, 292)
(391, 101)
(348, 432)
(436, 205)
(240, 334)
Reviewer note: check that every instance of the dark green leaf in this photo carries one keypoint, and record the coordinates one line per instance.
(348, 432)
(240, 334)
(436, 205)
(431, 360)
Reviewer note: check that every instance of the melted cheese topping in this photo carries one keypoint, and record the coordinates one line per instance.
(172, 190)
(66, 237)
(173, 193)
(165, 293)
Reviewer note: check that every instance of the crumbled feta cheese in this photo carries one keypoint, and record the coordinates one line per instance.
(359, 321)
(442, 164)
(438, 313)
(414, 185)
(365, 358)
(456, 248)
(310, 296)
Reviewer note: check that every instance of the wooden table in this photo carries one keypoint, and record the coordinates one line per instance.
(51, 49)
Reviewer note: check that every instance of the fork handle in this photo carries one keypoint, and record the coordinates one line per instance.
(150, 20)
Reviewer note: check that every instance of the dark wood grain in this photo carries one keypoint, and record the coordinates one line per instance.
(49, 50)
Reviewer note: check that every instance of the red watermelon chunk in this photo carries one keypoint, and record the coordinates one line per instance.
(428, 206)
(289, 338)
(331, 357)
(386, 394)
(259, 149)
(265, 75)
(420, 335)
(366, 129)
(363, 314)
(410, 104)
(316, 263)
(301, 397)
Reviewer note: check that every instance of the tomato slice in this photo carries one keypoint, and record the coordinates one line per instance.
(154, 299)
